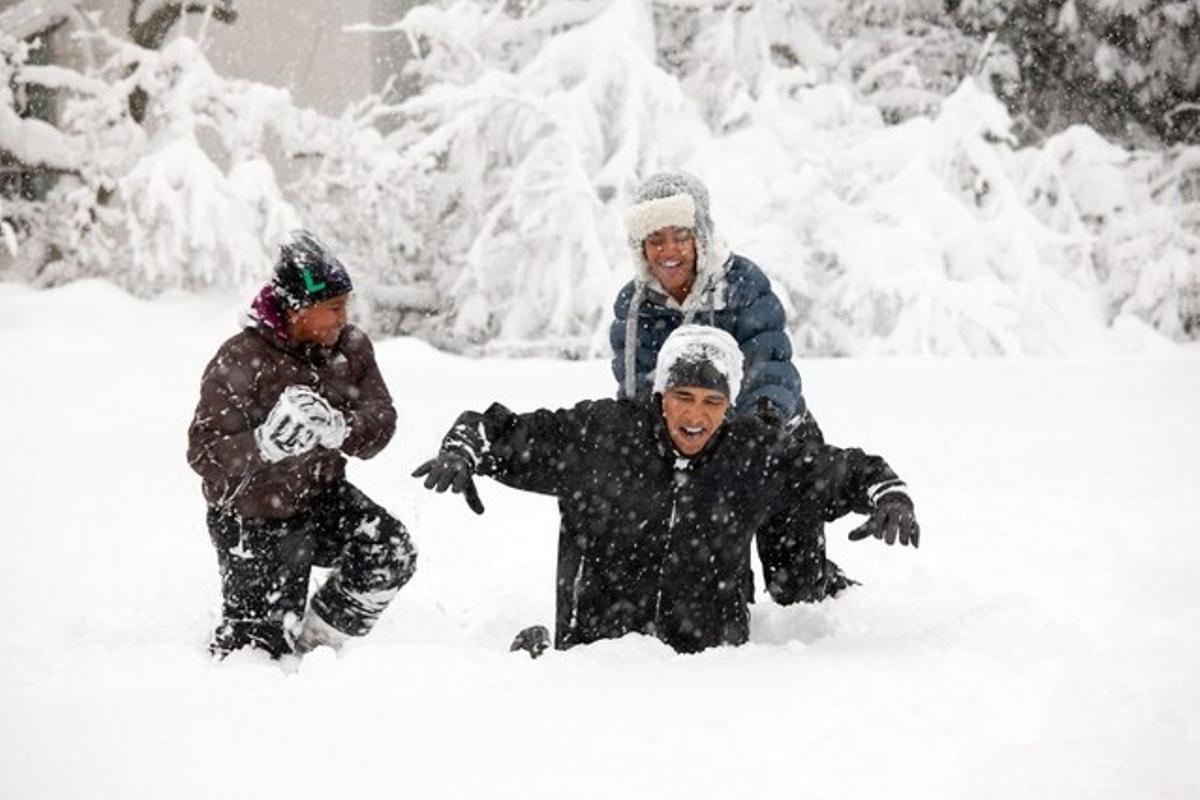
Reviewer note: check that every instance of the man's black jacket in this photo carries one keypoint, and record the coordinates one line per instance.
(650, 541)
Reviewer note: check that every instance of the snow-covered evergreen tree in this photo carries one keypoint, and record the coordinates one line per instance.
(861, 158)
(530, 129)
(189, 197)
(148, 204)
(1126, 67)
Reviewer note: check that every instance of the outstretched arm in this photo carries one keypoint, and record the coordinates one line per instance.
(537, 452)
(892, 518)
(842, 481)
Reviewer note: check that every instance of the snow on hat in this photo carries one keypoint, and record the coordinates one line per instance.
(699, 355)
(307, 271)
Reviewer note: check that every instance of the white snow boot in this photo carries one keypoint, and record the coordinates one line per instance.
(317, 632)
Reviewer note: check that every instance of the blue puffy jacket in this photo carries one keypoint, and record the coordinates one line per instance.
(740, 302)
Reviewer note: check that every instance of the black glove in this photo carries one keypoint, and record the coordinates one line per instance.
(768, 412)
(892, 518)
(451, 470)
(534, 640)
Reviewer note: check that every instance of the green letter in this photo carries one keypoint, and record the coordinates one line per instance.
(313, 288)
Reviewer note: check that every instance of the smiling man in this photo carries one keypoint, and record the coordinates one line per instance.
(660, 497)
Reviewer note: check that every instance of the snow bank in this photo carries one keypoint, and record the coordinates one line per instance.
(1041, 643)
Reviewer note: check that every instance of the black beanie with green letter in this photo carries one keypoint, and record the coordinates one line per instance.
(307, 271)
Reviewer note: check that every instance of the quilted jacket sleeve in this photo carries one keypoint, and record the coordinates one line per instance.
(371, 415)
(758, 323)
(221, 442)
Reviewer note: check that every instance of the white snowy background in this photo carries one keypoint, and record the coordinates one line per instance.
(1042, 642)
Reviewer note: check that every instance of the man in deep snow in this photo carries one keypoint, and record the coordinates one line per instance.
(683, 273)
(660, 496)
(281, 405)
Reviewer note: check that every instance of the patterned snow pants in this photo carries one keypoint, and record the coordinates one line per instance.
(791, 545)
(265, 566)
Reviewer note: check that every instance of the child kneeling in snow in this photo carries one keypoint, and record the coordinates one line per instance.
(281, 405)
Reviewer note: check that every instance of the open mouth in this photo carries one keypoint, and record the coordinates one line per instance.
(691, 433)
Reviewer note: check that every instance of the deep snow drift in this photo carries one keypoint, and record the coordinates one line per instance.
(1043, 642)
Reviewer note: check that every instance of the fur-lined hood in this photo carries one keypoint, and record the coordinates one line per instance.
(680, 200)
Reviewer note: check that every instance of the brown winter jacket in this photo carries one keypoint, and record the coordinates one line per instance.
(240, 387)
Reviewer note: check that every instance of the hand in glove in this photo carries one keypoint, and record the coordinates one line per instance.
(286, 432)
(768, 412)
(325, 421)
(534, 640)
(451, 469)
(892, 519)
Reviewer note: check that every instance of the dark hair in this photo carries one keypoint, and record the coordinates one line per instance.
(699, 372)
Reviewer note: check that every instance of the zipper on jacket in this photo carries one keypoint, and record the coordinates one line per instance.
(681, 465)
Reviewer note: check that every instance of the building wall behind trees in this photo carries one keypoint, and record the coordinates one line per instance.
(303, 46)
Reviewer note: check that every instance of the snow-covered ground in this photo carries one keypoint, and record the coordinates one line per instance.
(1043, 642)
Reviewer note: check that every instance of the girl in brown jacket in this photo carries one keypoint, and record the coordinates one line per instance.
(281, 405)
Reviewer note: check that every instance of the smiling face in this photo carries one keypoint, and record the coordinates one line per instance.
(671, 254)
(693, 415)
(321, 322)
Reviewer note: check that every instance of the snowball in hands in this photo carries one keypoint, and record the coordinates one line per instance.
(300, 420)
(325, 421)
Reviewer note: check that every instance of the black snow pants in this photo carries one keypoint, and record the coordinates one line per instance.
(791, 545)
(265, 566)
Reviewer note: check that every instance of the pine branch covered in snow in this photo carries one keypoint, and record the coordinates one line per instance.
(525, 152)
(30, 141)
(1125, 67)
(863, 160)
(147, 205)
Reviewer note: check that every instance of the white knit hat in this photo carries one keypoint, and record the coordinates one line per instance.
(699, 355)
